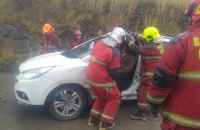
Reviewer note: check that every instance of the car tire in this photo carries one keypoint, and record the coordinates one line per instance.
(66, 103)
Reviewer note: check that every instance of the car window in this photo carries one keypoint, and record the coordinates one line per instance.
(82, 50)
(79, 51)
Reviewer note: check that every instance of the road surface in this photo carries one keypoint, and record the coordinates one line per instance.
(16, 117)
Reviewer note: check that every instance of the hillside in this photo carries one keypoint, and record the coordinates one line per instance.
(93, 17)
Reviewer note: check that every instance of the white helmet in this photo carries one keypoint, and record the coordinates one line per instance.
(118, 34)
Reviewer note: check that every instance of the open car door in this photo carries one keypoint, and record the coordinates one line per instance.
(129, 86)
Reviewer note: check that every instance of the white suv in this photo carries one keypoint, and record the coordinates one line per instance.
(58, 81)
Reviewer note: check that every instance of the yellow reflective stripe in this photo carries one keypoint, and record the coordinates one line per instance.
(199, 54)
(181, 120)
(95, 112)
(189, 75)
(106, 85)
(107, 117)
(141, 104)
(197, 11)
(147, 74)
(94, 59)
(155, 100)
(151, 57)
(50, 46)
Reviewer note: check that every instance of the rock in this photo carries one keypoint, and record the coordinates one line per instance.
(10, 31)
(7, 30)
(20, 38)
(22, 46)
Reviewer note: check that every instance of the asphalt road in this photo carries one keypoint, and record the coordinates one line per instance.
(16, 117)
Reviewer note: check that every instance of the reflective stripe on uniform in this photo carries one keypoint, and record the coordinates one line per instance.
(95, 112)
(50, 46)
(147, 74)
(107, 117)
(181, 120)
(142, 104)
(94, 59)
(189, 75)
(151, 57)
(106, 85)
(155, 100)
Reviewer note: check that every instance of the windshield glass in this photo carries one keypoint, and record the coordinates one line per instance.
(82, 50)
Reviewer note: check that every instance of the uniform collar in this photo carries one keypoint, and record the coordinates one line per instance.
(194, 25)
(109, 41)
(50, 35)
(159, 40)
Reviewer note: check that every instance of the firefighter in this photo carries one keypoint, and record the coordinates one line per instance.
(150, 52)
(176, 82)
(78, 39)
(103, 67)
(50, 42)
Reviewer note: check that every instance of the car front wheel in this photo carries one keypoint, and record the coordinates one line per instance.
(66, 103)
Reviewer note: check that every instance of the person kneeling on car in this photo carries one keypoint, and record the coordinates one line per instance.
(103, 67)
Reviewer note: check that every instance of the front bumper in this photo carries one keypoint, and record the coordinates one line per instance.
(21, 103)
(34, 91)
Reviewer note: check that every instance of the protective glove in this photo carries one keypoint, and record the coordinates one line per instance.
(133, 34)
(131, 43)
(136, 35)
(153, 109)
(130, 39)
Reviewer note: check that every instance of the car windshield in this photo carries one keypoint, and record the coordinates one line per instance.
(82, 50)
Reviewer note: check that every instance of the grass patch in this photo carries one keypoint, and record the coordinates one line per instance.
(132, 14)
(9, 60)
(9, 63)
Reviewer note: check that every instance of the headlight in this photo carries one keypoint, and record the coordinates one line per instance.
(34, 73)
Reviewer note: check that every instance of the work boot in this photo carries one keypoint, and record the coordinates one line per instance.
(158, 114)
(93, 120)
(140, 115)
(2, 100)
(106, 126)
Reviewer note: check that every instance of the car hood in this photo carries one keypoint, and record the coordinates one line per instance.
(46, 60)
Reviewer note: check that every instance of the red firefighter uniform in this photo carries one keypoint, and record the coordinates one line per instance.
(51, 43)
(176, 82)
(150, 53)
(103, 67)
(76, 42)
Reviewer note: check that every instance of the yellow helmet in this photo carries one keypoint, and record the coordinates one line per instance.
(150, 34)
